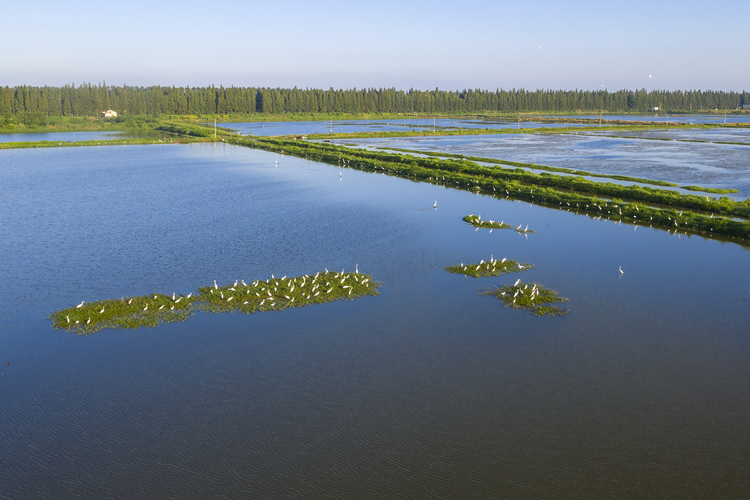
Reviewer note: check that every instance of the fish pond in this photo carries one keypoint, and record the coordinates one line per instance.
(428, 389)
(722, 166)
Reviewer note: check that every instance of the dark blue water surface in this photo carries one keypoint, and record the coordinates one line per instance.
(428, 390)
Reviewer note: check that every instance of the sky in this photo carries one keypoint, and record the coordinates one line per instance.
(451, 44)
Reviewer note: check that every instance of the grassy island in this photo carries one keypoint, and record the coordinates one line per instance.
(532, 297)
(492, 268)
(273, 294)
(476, 221)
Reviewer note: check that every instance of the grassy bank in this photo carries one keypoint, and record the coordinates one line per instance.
(636, 204)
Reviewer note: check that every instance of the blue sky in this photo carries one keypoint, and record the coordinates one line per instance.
(450, 44)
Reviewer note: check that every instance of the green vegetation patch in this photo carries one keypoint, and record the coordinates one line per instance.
(133, 312)
(274, 294)
(492, 268)
(476, 221)
(532, 297)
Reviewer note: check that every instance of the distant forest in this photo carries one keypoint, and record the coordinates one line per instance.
(90, 100)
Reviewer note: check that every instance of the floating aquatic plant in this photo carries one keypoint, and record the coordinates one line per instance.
(492, 268)
(274, 294)
(532, 297)
(476, 221)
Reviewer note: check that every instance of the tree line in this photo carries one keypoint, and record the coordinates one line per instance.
(90, 100)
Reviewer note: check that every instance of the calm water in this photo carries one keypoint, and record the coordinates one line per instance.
(402, 125)
(426, 391)
(686, 163)
(76, 136)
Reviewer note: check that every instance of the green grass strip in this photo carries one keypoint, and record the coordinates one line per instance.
(710, 190)
(544, 168)
(492, 268)
(274, 294)
(531, 297)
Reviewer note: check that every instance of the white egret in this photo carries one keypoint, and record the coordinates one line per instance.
(435, 205)
(79, 305)
(621, 271)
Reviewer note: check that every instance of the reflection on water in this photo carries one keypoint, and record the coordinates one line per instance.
(426, 391)
(685, 163)
(79, 136)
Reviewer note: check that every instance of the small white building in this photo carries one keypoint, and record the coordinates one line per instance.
(109, 114)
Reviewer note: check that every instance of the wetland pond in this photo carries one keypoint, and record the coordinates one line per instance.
(686, 163)
(389, 125)
(428, 390)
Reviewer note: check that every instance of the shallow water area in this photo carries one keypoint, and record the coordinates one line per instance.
(711, 135)
(698, 119)
(428, 390)
(388, 125)
(686, 163)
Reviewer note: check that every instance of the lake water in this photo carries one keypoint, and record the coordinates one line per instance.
(426, 391)
(77, 136)
(685, 163)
